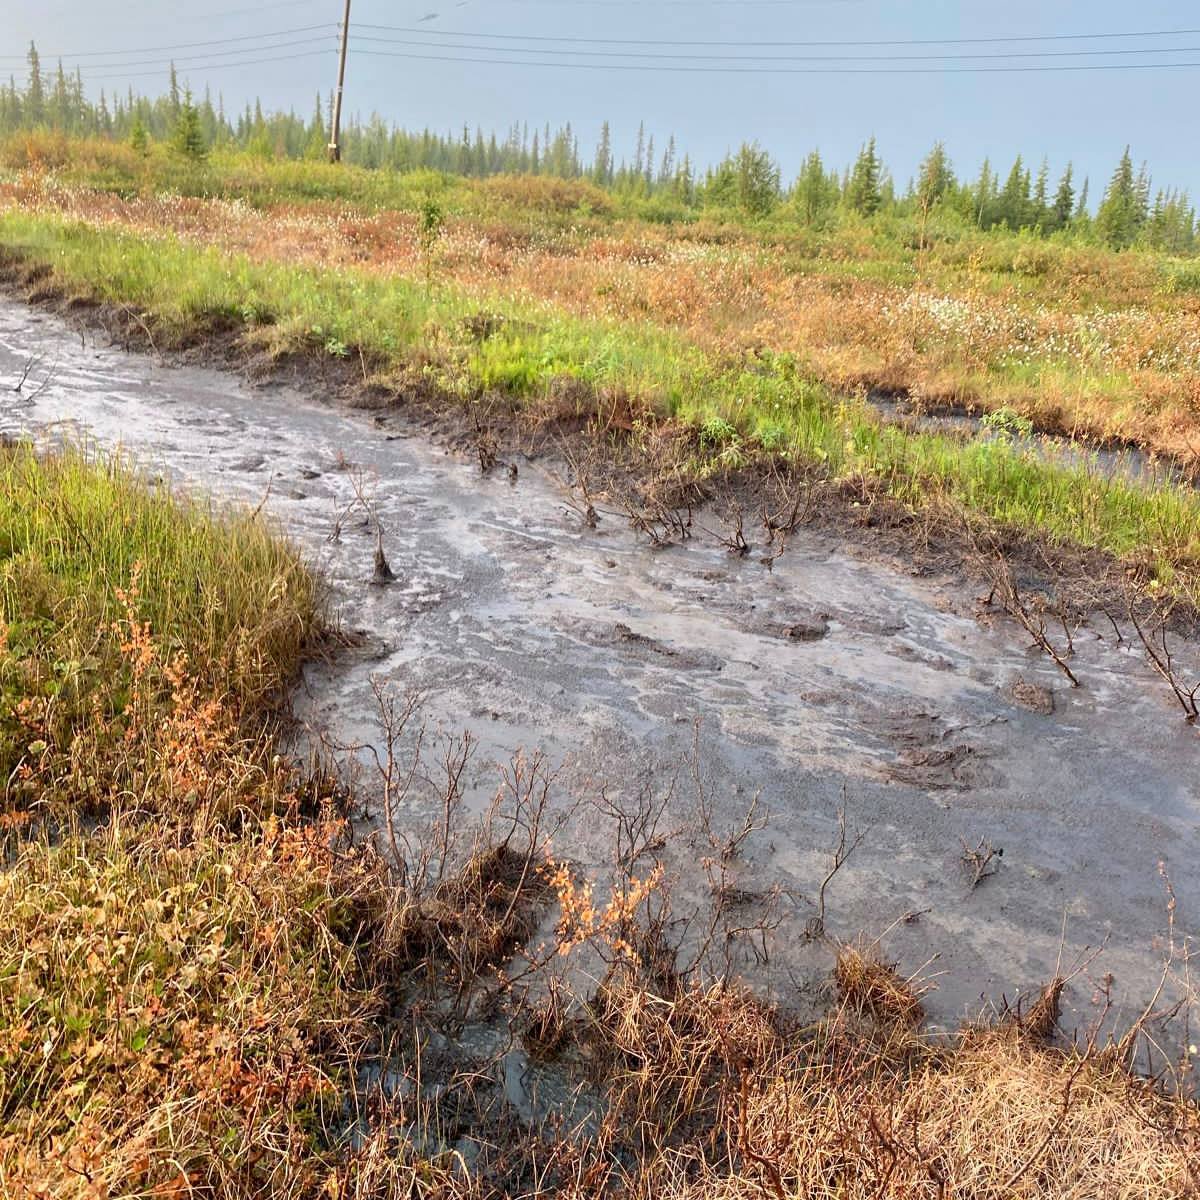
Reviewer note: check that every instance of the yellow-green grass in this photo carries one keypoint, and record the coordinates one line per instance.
(91, 554)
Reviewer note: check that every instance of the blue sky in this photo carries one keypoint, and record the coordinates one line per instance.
(1087, 116)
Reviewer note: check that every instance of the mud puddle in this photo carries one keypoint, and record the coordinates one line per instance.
(830, 682)
(1125, 464)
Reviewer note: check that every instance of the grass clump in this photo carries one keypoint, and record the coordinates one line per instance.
(92, 558)
(181, 980)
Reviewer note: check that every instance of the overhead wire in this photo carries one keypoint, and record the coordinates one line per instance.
(213, 66)
(980, 41)
(770, 70)
(250, 37)
(360, 38)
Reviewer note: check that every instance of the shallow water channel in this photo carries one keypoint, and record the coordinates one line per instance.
(833, 681)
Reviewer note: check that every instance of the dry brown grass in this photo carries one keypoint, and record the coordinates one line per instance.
(869, 985)
(989, 1117)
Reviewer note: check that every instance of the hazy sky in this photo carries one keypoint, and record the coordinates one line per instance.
(1086, 115)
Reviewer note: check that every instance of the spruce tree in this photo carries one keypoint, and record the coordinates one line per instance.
(815, 194)
(985, 195)
(1121, 213)
(187, 138)
(1082, 212)
(173, 94)
(862, 191)
(666, 170)
(602, 171)
(1064, 200)
(935, 179)
(35, 97)
(1041, 195)
(139, 138)
(1013, 204)
(757, 180)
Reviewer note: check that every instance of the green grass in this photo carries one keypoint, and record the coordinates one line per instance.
(219, 591)
(395, 321)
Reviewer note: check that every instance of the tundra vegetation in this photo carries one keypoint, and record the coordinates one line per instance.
(211, 983)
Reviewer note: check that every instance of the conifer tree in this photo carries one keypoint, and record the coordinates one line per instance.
(666, 170)
(815, 194)
(602, 171)
(1082, 212)
(1121, 213)
(985, 194)
(934, 182)
(139, 138)
(187, 138)
(1041, 195)
(1063, 207)
(1013, 203)
(173, 95)
(863, 191)
(35, 97)
(757, 179)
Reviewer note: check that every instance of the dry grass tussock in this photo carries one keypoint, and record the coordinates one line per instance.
(206, 988)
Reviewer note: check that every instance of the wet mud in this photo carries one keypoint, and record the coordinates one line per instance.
(829, 683)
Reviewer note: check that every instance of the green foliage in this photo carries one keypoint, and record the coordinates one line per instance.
(816, 193)
(431, 220)
(935, 180)
(139, 137)
(1007, 425)
(73, 530)
(187, 138)
(863, 193)
(716, 433)
(1122, 212)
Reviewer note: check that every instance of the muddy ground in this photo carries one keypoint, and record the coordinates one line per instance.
(834, 681)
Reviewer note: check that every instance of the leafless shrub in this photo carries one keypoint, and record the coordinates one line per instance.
(843, 849)
(1158, 651)
(982, 860)
(1006, 593)
(32, 365)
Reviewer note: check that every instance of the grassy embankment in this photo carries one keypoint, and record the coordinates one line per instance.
(191, 978)
(465, 339)
(1062, 330)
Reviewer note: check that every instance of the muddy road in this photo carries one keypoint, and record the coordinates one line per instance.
(833, 681)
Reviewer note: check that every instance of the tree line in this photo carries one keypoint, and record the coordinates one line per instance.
(1130, 212)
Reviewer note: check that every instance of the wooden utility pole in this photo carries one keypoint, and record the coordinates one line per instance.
(335, 134)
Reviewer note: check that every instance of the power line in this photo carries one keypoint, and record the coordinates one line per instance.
(977, 41)
(785, 57)
(250, 37)
(583, 66)
(209, 66)
(186, 63)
